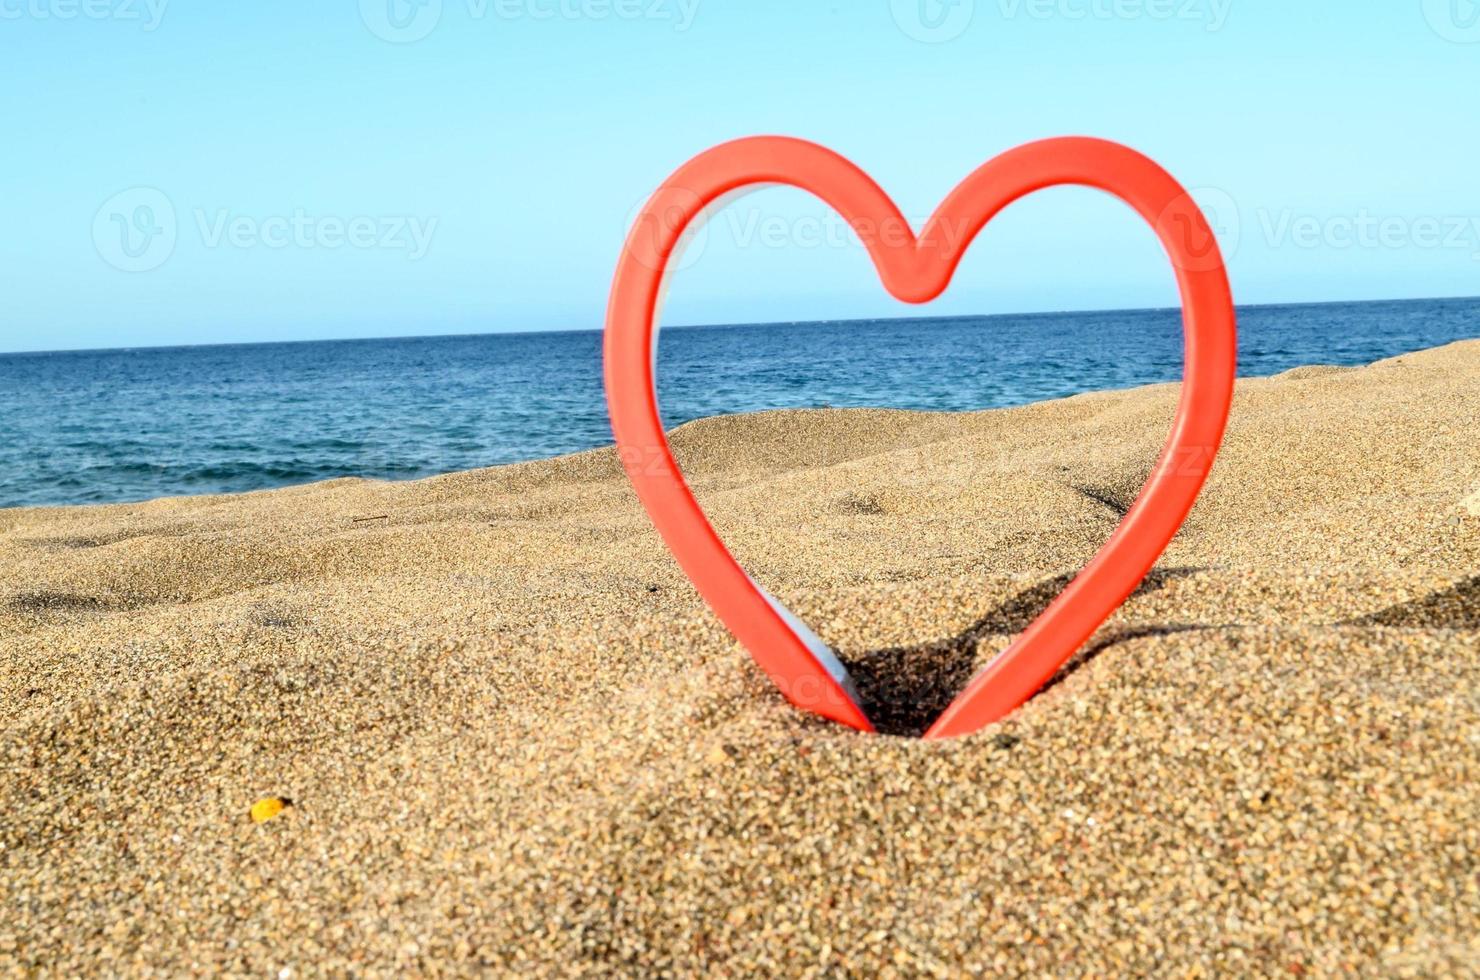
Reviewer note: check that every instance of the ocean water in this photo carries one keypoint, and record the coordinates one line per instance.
(121, 425)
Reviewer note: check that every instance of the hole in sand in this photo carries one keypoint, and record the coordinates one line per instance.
(48, 601)
(868, 505)
(903, 689)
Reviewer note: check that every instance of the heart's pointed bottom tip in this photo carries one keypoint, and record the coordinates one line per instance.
(851, 716)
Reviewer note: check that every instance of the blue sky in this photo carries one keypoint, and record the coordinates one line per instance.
(191, 172)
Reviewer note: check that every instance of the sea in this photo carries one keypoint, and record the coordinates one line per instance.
(103, 426)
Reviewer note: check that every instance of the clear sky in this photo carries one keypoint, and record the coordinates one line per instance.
(185, 171)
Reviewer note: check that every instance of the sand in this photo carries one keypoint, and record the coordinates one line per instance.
(513, 738)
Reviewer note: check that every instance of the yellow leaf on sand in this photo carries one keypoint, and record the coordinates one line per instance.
(267, 808)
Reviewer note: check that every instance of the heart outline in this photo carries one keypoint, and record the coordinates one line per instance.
(916, 269)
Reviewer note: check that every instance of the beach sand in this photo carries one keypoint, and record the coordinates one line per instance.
(513, 737)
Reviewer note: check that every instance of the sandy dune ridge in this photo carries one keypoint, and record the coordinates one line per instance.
(513, 737)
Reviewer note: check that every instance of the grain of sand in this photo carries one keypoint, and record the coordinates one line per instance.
(514, 738)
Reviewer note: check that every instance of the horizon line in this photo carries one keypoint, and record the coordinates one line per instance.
(716, 326)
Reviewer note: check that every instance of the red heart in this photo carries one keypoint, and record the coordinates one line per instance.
(917, 270)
